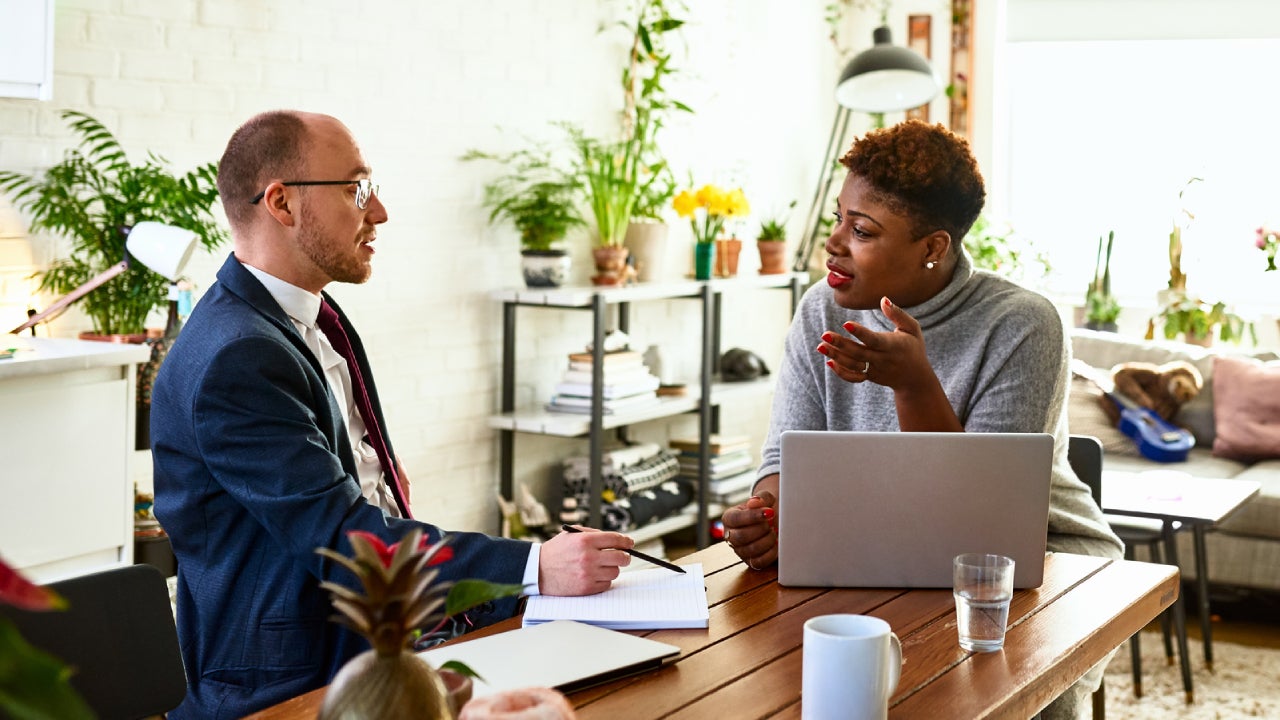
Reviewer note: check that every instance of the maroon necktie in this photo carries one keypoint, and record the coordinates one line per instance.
(332, 329)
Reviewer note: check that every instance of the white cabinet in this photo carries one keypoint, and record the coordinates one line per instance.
(705, 397)
(66, 442)
(26, 49)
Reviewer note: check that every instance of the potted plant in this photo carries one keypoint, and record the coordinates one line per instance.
(1195, 320)
(92, 197)
(707, 210)
(771, 242)
(540, 199)
(1101, 307)
(609, 174)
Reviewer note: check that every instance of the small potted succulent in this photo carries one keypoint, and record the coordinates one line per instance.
(771, 242)
(539, 197)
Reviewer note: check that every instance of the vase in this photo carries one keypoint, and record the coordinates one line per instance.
(727, 251)
(544, 268)
(611, 266)
(372, 686)
(704, 255)
(647, 242)
(773, 256)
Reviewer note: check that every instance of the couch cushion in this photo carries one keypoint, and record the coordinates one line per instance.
(1246, 406)
(1104, 350)
(1260, 516)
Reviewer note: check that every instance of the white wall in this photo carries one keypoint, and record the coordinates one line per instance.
(419, 83)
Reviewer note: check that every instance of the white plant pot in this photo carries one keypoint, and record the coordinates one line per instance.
(545, 268)
(647, 242)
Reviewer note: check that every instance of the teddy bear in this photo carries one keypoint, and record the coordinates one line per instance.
(1162, 388)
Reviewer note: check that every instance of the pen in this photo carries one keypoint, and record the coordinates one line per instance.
(633, 553)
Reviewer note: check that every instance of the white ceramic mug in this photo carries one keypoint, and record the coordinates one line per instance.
(851, 666)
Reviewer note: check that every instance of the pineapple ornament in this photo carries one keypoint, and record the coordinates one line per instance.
(400, 597)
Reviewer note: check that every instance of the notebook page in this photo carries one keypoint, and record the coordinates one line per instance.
(641, 600)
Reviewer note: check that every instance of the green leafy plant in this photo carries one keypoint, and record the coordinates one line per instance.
(996, 247)
(774, 227)
(609, 172)
(1100, 305)
(538, 195)
(1197, 319)
(646, 103)
(92, 197)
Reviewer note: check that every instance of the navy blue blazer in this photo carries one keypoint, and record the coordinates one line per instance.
(253, 471)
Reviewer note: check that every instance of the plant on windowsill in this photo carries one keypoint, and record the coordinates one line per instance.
(92, 197)
(401, 596)
(1196, 321)
(539, 197)
(771, 242)
(1101, 307)
(1268, 241)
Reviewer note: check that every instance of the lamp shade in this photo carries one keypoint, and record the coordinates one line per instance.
(886, 78)
(164, 249)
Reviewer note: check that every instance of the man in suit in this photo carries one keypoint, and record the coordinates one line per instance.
(261, 453)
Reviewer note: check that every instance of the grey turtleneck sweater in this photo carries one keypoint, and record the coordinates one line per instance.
(999, 351)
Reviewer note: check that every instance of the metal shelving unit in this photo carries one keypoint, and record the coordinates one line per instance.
(705, 400)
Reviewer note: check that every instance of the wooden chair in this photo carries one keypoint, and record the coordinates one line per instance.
(118, 634)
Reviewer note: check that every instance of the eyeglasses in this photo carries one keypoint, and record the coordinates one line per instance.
(365, 189)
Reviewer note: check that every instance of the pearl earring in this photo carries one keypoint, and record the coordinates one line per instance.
(929, 265)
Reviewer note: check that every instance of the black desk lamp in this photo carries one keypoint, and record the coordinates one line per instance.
(164, 249)
(884, 78)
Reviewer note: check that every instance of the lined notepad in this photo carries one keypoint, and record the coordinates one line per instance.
(639, 600)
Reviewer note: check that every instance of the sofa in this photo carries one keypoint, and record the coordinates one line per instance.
(1237, 431)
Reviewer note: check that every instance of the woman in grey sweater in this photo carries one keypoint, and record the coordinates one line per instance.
(906, 335)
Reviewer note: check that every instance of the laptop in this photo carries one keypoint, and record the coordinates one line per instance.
(892, 509)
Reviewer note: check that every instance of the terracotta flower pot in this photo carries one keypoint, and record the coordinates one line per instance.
(773, 256)
(611, 266)
(727, 251)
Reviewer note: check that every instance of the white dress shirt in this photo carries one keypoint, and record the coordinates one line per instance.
(303, 308)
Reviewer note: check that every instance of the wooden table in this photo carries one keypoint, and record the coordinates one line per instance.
(746, 664)
(1176, 498)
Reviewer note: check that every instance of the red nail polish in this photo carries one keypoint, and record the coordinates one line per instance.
(768, 513)
(831, 364)
(849, 326)
(827, 337)
(824, 350)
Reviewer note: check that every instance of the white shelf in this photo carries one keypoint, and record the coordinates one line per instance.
(563, 424)
(654, 530)
(583, 295)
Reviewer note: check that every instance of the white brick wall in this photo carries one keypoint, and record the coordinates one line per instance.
(419, 83)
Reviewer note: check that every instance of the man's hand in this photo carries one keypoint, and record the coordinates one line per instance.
(582, 563)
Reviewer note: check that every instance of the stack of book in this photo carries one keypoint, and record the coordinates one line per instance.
(731, 465)
(628, 384)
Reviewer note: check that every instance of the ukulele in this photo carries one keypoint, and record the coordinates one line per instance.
(1156, 438)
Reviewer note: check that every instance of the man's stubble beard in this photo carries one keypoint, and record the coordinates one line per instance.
(340, 261)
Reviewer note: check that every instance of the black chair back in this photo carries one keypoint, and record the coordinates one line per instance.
(119, 636)
(1084, 453)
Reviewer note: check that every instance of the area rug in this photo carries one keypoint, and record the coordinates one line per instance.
(1245, 683)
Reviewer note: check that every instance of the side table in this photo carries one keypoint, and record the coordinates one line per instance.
(1173, 496)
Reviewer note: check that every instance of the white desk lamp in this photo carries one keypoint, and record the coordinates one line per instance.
(883, 78)
(164, 249)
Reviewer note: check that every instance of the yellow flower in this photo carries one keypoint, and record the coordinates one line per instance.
(715, 203)
(685, 204)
